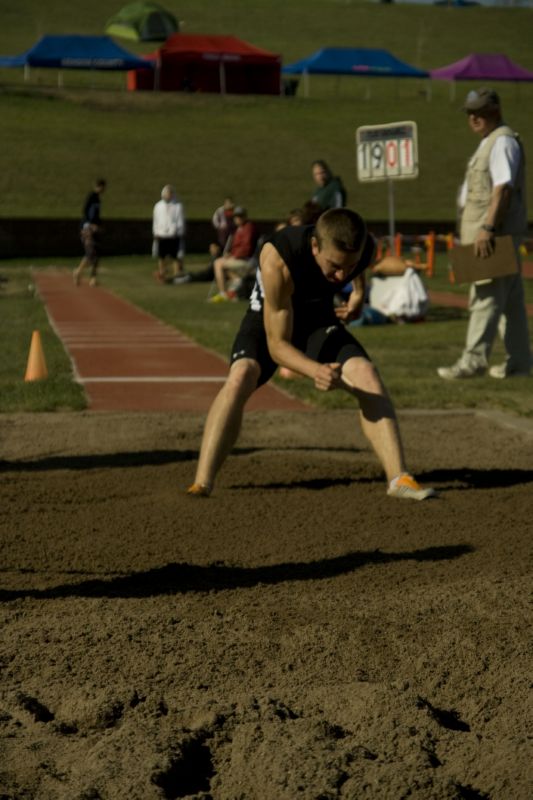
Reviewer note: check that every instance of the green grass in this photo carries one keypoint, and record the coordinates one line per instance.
(406, 355)
(257, 148)
(56, 141)
(21, 312)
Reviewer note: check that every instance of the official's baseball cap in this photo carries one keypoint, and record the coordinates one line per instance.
(479, 99)
(239, 211)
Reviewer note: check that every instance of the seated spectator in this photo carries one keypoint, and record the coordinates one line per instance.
(306, 215)
(224, 225)
(232, 266)
(330, 192)
(168, 228)
(396, 294)
(205, 275)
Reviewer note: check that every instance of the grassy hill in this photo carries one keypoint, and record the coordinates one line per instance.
(55, 141)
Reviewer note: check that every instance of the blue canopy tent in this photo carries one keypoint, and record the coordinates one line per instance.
(76, 52)
(360, 61)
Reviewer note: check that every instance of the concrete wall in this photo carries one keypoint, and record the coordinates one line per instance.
(46, 238)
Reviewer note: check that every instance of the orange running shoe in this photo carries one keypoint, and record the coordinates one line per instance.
(407, 488)
(199, 490)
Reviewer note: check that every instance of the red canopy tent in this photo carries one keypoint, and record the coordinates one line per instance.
(220, 64)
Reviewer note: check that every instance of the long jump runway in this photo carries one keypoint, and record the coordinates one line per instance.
(127, 360)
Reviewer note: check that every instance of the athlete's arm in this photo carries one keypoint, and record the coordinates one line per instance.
(352, 308)
(278, 288)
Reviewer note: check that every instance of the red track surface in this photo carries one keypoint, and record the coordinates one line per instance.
(128, 360)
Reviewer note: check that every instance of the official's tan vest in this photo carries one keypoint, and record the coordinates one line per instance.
(479, 190)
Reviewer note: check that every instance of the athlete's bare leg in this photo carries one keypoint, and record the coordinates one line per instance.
(224, 420)
(378, 417)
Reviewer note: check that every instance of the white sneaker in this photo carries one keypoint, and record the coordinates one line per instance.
(458, 371)
(180, 279)
(502, 371)
(407, 488)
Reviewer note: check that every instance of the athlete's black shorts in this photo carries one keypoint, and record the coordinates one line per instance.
(328, 344)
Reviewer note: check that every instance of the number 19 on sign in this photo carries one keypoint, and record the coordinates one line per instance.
(387, 151)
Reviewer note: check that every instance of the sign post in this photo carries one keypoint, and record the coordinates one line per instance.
(387, 153)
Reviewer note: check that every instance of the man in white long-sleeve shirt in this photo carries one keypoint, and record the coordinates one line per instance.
(168, 228)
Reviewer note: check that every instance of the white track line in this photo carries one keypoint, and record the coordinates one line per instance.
(129, 346)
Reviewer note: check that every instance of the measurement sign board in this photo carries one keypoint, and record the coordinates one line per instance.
(387, 151)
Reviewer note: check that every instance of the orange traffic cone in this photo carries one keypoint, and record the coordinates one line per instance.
(36, 368)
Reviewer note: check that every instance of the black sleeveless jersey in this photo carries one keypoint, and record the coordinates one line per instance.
(313, 293)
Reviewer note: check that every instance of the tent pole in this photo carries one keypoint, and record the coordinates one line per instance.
(306, 83)
(452, 91)
(391, 214)
(222, 75)
(26, 73)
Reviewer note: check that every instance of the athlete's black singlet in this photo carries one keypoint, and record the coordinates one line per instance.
(313, 293)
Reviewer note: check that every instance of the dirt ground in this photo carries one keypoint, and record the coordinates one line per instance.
(297, 635)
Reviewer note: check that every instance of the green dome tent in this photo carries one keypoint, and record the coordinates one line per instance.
(142, 22)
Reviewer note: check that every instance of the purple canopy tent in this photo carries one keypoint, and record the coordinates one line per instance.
(482, 67)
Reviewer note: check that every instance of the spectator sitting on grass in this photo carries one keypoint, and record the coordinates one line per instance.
(223, 223)
(396, 294)
(308, 214)
(233, 266)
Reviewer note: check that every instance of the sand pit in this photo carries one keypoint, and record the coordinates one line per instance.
(297, 635)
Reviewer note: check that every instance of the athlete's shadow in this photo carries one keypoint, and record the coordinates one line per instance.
(138, 458)
(445, 480)
(182, 578)
(470, 478)
(311, 484)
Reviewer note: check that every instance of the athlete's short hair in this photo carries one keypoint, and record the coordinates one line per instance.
(343, 228)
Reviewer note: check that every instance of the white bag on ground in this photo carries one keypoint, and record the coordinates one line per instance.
(402, 296)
